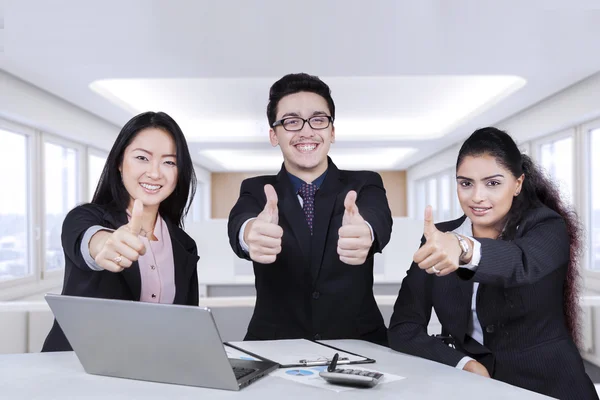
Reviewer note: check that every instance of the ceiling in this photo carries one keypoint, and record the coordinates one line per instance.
(408, 78)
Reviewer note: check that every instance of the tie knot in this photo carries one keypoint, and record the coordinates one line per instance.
(307, 191)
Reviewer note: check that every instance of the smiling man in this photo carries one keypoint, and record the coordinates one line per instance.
(312, 229)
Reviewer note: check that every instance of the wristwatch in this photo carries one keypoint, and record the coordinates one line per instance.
(464, 246)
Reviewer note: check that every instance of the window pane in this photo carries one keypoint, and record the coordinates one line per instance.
(445, 198)
(14, 240)
(595, 200)
(61, 197)
(432, 196)
(421, 200)
(557, 159)
(95, 167)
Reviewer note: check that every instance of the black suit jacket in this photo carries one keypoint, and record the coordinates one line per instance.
(519, 306)
(80, 280)
(308, 292)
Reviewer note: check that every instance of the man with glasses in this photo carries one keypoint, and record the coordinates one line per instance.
(312, 229)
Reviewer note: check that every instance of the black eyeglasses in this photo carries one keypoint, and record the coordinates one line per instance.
(294, 124)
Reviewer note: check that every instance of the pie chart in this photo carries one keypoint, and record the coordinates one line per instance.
(298, 372)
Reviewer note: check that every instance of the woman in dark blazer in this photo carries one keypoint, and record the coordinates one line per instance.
(128, 243)
(502, 279)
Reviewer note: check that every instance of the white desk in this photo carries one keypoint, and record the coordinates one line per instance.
(60, 376)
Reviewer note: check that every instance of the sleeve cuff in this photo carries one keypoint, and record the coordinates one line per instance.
(372, 233)
(461, 364)
(85, 246)
(243, 244)
(476, 258)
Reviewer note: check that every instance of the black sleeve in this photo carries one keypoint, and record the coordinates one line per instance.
(76, 223)
(373, 206)
(543, 248)
(247, 206)
(408, 326)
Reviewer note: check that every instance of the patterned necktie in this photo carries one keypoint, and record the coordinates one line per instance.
(307, 192)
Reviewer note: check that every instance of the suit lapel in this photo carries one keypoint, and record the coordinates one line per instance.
(184, 262)
(325, 200)
(116, 219)
(292, 211)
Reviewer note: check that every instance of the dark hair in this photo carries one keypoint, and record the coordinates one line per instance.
(111, 191)
(537, 190)
(294, 83)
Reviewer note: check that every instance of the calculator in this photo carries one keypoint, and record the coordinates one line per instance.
(352, 377)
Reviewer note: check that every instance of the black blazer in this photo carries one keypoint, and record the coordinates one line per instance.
(80, 280)
(308, 292)
(519, 306)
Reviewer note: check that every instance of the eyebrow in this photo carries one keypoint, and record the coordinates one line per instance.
(149, 152)
(483, 179)
(294, 114)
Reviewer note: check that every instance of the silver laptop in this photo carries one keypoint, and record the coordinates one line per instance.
(152, 342)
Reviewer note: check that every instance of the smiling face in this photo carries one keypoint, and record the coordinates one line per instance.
(486, 190)
(149, 167)
(304, 151)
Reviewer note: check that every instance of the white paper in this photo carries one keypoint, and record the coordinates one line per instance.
(238, 355)
(292, 351)
(310, 376)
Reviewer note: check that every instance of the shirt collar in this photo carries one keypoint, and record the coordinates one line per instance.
(297, 182)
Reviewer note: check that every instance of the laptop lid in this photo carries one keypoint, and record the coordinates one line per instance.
(147, 341)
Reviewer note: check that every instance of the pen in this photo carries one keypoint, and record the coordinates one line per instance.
(307, 363)
(333, 364)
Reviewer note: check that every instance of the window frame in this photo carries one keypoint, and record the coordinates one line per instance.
(91, 151)
(31, 186)
(81, 194)
(536, 153)
(583, 199)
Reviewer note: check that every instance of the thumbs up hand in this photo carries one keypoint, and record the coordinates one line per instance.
(355, 239)
(263, 234)
(119, 249)
(441, 251)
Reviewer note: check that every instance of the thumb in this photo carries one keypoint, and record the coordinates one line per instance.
(137, 213)
(429, 227)
(351, 209)
(270, 213)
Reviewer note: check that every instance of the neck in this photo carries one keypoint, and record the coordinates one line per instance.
(488, 231)
(307, 175)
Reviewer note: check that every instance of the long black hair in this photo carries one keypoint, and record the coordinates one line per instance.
(537, 190)
(111, 191)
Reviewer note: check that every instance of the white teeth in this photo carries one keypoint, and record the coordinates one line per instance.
(306, 147)
(479, 209)
(150, 187)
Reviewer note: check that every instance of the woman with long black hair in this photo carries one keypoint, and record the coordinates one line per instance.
(128, 243)
(502, 279)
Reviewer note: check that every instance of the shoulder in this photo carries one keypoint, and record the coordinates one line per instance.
(361, 177)
(86, 211)
(540, 215)
(258, 181)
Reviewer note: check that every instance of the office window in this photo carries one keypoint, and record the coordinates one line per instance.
(445, 212)
(61, 195)
(556, 157)
(432, 196)
(421, 199)
(594, 229)
(95, 166)
(14, 215)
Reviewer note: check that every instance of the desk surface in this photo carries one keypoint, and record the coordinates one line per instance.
(60, 376)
